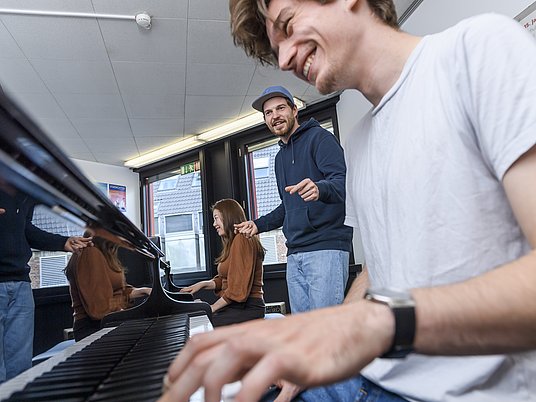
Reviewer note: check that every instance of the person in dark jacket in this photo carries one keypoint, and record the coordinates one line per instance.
(311, 174)
(17, 237)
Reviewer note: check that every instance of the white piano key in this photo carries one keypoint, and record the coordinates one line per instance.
(20, 381)
(198, 324)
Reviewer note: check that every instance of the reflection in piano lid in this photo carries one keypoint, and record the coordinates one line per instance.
(32, 164)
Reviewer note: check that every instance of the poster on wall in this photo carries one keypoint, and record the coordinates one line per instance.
(118, 196)
(527, 19)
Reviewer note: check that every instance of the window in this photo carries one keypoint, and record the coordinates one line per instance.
(46, 267)
(200, 221)
(262, 167)
(264, 197)
(156, 229)
(51, 270)
(201, 238)
(327, 125)
(178, 223)
(196, 179)
(269, 242)
(168, 184)
(175, 203)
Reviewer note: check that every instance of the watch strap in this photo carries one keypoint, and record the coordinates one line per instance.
(404, 333)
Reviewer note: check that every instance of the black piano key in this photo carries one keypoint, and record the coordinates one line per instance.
(143, 392)
(126, 364)
(137, 366)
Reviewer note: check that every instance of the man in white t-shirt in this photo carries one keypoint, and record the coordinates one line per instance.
(441, 184)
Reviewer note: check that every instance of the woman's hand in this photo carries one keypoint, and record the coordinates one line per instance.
(196, 287)
(218, 304)
(140, 292)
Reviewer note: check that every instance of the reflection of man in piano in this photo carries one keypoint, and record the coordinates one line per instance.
(17, 237)
(98, 286)
(239, 280)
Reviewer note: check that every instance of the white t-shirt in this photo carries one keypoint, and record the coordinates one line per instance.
(424, 188)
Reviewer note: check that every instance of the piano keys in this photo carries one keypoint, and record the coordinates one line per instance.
(124, 363)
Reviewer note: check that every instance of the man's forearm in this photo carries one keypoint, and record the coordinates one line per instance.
(492, 313)
(359, 287)
(271, 220)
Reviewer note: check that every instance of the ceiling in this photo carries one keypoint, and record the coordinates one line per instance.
(108, 90)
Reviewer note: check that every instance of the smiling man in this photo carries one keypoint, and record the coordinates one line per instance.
(310, 173)
(441, 175)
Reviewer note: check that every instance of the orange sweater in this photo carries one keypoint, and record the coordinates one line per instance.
(96, 289)
(240, 275)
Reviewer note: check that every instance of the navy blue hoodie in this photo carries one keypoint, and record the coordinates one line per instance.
(311, 152)
(18, 235)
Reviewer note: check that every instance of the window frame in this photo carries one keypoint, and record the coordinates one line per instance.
(159, 171)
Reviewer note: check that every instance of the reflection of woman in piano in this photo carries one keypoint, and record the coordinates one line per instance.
(239, 280)
(98, 286)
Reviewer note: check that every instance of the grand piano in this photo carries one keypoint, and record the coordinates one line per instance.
(128, 358)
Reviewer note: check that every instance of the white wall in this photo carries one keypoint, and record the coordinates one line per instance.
(436, 15)
(430, 17)
(100, 172)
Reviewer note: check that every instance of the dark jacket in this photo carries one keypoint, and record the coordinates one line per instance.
(18, 235)
(311, 152)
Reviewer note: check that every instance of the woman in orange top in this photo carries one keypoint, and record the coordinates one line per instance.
(97, 285)
(239, 280)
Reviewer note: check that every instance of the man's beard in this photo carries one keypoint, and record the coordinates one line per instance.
(289, 122)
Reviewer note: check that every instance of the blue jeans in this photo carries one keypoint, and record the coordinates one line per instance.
(357, 389)
(316, 279)
(16, 328)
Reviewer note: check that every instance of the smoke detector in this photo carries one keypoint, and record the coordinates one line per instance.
(143, 20)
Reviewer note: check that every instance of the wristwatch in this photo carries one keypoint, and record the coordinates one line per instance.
(403, 307)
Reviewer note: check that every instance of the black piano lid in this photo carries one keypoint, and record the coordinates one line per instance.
(32, 163)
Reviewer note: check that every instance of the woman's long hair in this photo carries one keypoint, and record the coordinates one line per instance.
(108, 249)
(232, 213)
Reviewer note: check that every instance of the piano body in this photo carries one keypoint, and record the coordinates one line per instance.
(126, 360)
